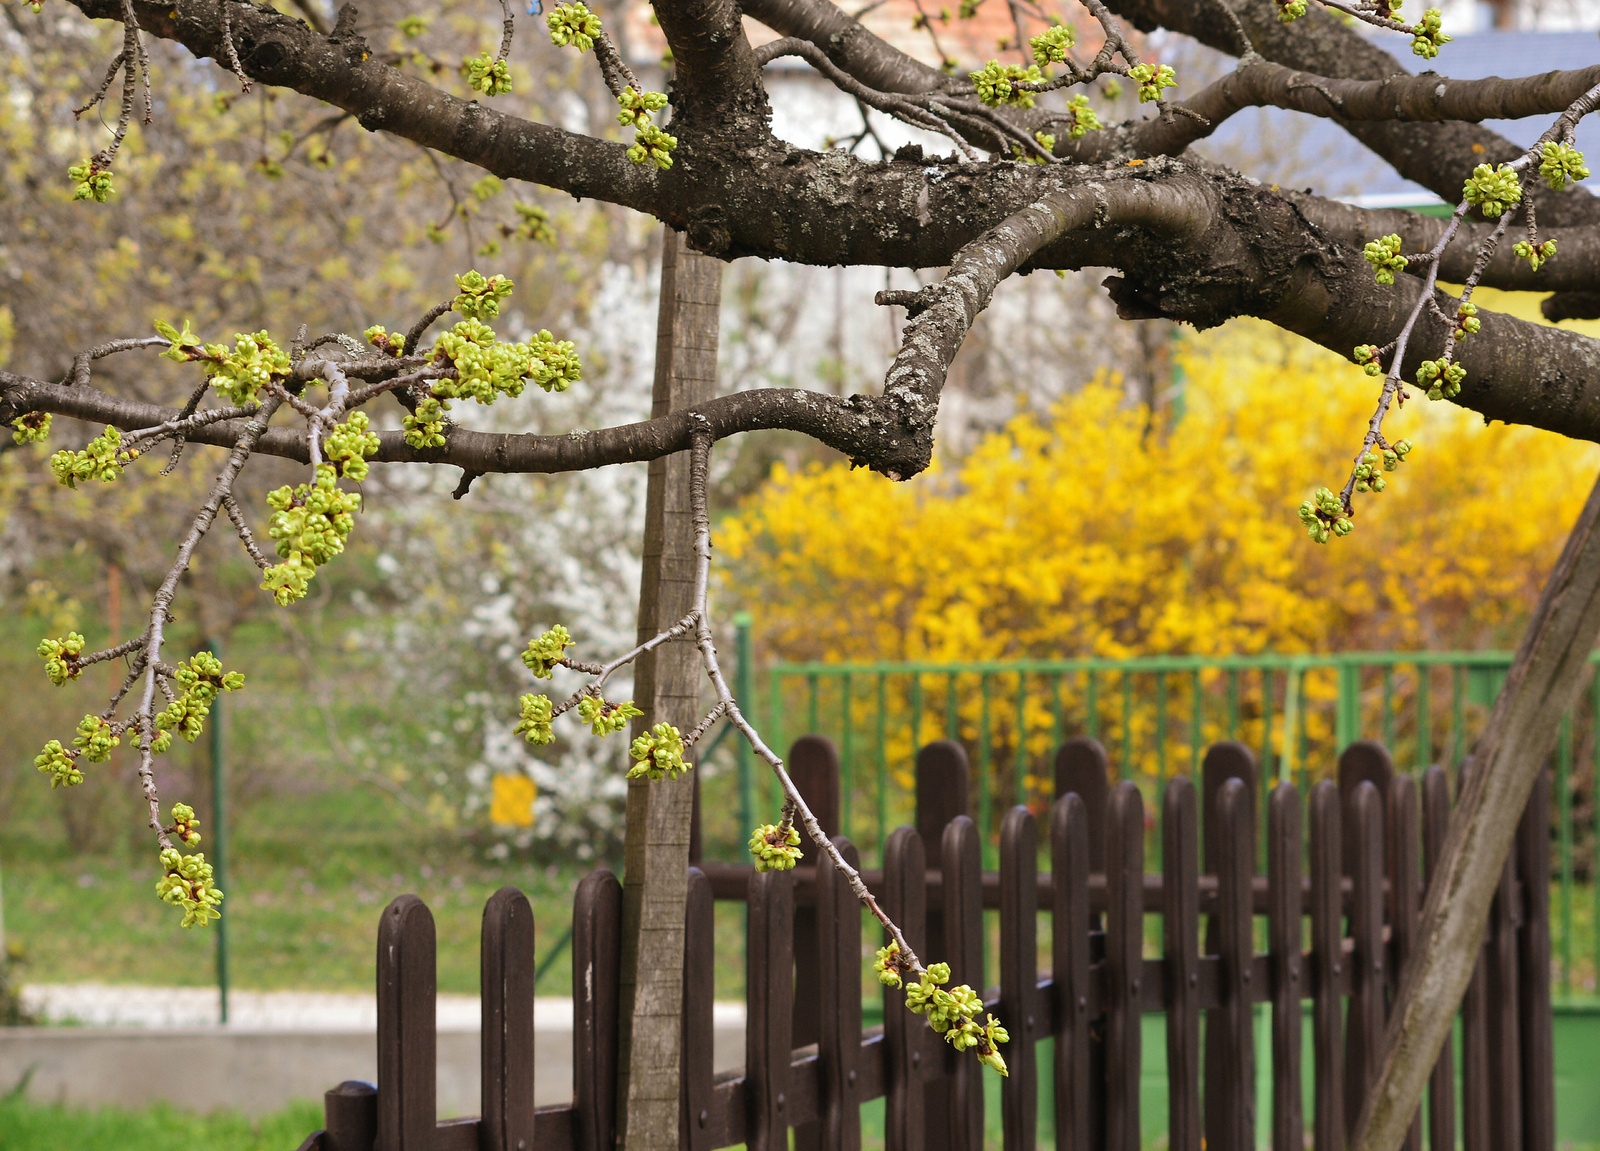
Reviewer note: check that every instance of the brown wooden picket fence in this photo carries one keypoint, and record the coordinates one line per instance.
(1340, 909)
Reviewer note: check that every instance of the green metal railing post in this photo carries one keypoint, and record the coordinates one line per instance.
(1092, 702)
(1564, 816)
(985, 770)
(1022, 737)
(1196, 720)
(847, 780)
(1161, 726)
(1127, 724)
(1347, 716)
(1424, 720)
(219, 843)
(883, 760)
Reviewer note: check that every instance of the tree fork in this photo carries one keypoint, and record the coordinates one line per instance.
(1542, 684)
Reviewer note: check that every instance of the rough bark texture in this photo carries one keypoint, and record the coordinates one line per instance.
(1543, 683)
(666, 687)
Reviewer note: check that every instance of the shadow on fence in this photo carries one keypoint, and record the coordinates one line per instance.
(1340, 909)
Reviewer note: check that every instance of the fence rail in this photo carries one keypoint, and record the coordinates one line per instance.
(810, 1065)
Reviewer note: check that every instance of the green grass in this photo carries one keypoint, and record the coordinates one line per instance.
(50, 1127)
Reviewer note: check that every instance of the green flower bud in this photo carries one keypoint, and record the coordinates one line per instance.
(573, 24)
(774, 847)
(546, 651)
(1492, 190)
(537, 714)
(1050, 46)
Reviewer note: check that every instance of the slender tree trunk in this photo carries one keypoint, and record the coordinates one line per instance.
(1544, 681)
(667, 688)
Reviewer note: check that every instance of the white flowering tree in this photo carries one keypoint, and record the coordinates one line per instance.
(1032, 180)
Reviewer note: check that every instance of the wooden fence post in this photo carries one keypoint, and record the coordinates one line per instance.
(1180, 891)
(696, 1055)
(1364, 1045)
(769, 1008)
(1069, 962)
(1083, 769)
(1224, 761)
(350, 1117)
(407, 1040)
(1019, 976)
(596, 1003)
(506, 966)
(814, 767)
(961, 853)
(905, 899)
(1124, 963)
(942, 796)
(1327, 965)
(1538, 1035)
(1284, 843)
(1442, 1086)
(1236, 1093)
(1400, 837)
(839, 1045)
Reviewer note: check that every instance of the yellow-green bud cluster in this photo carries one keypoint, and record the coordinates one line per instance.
(652, 144)
(486, 74)
(182, 347)
(1151, 80)
(185, 825)
(348, 446)
(96, 737)
(1050, 46)
(61, 657)
(1368, 477)
(478, 297)
(575, 25)
(59, 764)
(996, 83)
(384, 340)
(31, 428)
(1045, 141)
(887, 966)
(1290, 10)
(1324, 516)
(188, 883)
(1082, 117)
(90, 182)
(1467, 322)
(1561, 164)
(535, 224)
(953, 1014)
(1492, 190)
(546, 651)
(412, 26)
(537, 714)
(1427, 36)
(254, 362)
(202, 680)
(1367, 356)
(1440, 379)
(102, 459)
(488, 368)
(659, 753)
(1535, 255)
(604, 718)
(424, 428)
(1384, 256)
(775, 847)
(636, 106)
(310, 524)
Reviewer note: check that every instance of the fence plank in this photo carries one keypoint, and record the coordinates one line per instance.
(1505, 1039)
(1181, 936)
(1069, 963)
(1401, 841)
(942, 790)
(1124, 963)
(814, 767)
(506, 966)
(905, 902)
(963, 924)
(1083, 769)
(1442, 1086)
(1235, 947)
(407, 1041)
(695, 1055)
(1364, 1047)
(1019, 976)
(350, 1117)
(1224, 761)
(839, 1046)
(1284, 844)
(596, 1001)
(769, 982)
(1327, 966)
(1538, 1038)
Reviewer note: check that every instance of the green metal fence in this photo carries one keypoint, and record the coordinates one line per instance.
(1156, 715)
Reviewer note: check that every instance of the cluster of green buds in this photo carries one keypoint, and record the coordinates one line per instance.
(310, 524)
(61, 657)
(1045, 141)
(1467, 322)
(636, 106)
(202, 680)
(1368, 474)
(59, 764)
(102, 459)
(1367, 356)
(254, 362)
(31, 428)
(487, 368)
(96, 737)
(1050, 46)
(1324, 516)
(1535, 254)
(604, 718)
(1427, 35)
(1440, 378)
(1082, 117)
(1151, 79)
(185, 825)
(1492, 190)
(486, 74)
(953, 1014)
(412, 26)
(652, 144)
(996, 83)
(89, 180)
(391, 343)
(889, 965)
(1290, 10)
(1384, 256)
(537, 715)
(424, 427)
(547, 652)
(775, 846)
(478, 296)
(575, 25)
(535, 225)
(659, 753)
(187, 883)
(349, 444)
(1561, 164)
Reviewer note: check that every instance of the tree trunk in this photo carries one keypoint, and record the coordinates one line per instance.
(667, 688)
(1543, 683)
